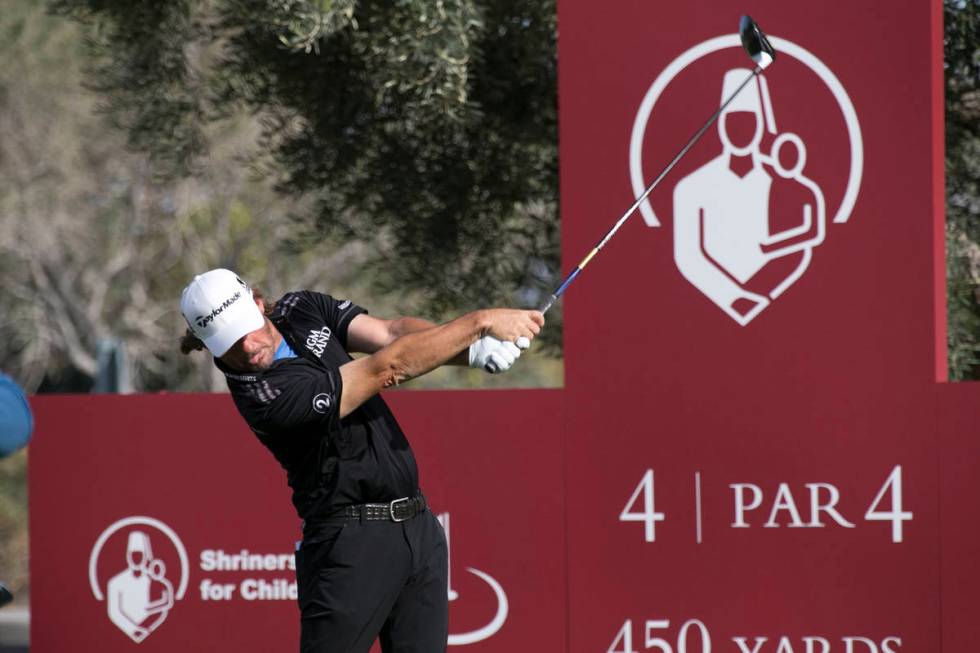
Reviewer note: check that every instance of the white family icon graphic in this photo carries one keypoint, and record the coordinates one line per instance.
(746, 223)
(139, 594)
(500, 615)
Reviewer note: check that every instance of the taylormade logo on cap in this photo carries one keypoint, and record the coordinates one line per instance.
(202, 320)
(219, 309)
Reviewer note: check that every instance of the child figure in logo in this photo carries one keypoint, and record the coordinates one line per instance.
(161, 595)
(797, 217)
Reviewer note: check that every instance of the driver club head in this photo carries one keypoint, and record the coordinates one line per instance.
(755, 42)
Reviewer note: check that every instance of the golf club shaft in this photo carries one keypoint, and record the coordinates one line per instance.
(490, 367)
(646, 193)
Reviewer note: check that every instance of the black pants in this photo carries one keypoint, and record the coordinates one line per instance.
(361, 580)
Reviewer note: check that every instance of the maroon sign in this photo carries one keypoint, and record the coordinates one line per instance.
(752, 453)
(754, 359)
(161, 521)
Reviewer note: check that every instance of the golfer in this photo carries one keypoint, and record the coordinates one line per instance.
(373, 560)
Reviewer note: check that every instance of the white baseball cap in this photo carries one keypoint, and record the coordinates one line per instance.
(219, 309)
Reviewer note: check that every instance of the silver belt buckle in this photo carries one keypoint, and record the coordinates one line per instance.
(391, 508)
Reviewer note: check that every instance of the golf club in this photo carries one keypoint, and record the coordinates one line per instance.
(761, 52)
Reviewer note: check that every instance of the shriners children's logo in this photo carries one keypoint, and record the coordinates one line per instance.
(139, 567)
(747, 220)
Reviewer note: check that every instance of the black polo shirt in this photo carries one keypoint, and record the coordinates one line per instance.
(293, 409)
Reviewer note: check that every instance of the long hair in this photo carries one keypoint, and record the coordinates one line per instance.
(189, 342)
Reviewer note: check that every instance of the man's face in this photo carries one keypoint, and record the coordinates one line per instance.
(135, 559)
(254, 351)
(740, 131)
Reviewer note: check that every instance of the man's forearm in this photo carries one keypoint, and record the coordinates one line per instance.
(404, 326)
(424, 349)
(416, 353)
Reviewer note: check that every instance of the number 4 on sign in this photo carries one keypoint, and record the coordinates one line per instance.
(897, 515)
(649, 516)
(624, 638)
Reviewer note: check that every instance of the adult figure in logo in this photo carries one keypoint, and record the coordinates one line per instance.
(128, 593)
(373, 560)
(722, 232)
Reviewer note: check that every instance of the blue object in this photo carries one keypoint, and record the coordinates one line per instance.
(284, 351)
(16, 421)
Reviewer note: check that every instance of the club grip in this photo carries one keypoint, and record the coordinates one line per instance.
(490, 367)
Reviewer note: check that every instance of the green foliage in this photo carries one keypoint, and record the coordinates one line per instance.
(93, 249)
(427, 129)
(145, 74)
(964, 316)
(962, 63)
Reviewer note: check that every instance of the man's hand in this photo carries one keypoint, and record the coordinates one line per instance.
(510, 331)
(509, 324)
(491, 354)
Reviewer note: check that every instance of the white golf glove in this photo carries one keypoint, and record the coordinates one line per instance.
(494, 355)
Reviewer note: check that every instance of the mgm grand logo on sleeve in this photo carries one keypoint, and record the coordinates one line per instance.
(751, 206)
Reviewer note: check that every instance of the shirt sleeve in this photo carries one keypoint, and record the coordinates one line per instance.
(337, 314)
(296, 395)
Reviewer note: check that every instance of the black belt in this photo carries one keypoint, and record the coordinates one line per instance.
(398, 510)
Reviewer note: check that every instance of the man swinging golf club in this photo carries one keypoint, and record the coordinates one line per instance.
(373, 560)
